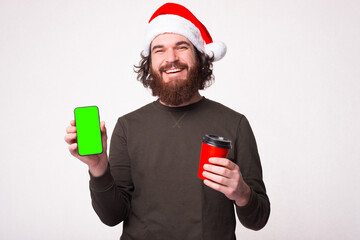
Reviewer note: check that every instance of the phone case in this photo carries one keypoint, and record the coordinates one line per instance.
(87, 122)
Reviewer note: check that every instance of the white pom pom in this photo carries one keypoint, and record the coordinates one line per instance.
(216, 49)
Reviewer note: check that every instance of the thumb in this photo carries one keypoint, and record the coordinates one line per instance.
(102, 126)
(103, 130)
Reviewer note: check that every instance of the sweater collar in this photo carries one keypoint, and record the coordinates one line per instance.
(189, 107)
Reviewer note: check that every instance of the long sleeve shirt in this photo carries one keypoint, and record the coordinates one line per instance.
(152, 185)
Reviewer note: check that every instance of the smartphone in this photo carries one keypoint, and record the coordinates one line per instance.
(87, 122)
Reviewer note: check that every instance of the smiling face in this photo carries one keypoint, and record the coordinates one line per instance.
(175, 70)
(172, 57)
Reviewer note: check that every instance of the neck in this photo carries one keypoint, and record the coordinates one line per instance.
(197, 97)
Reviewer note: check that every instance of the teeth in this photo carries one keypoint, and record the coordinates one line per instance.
(173, 70)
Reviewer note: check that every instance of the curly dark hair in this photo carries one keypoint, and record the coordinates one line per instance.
(205, 70)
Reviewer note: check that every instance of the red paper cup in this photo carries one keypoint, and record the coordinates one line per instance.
(212, 146)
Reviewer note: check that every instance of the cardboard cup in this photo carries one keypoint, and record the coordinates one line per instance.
(212, 146)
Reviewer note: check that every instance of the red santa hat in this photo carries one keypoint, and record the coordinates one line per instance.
(175, 18)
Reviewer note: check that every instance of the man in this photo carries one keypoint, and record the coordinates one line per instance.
(150, 179)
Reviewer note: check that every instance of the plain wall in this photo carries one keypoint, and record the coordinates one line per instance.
(292, 68)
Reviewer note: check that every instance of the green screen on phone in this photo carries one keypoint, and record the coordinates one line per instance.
(87, 123)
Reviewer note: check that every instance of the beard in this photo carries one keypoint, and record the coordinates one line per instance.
(177, 91)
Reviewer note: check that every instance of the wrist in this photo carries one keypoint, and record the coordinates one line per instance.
(244, 197)
(98, 169)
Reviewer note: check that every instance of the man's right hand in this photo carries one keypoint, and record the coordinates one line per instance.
(97, 163)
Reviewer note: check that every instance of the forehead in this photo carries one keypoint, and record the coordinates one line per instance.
(168, 39)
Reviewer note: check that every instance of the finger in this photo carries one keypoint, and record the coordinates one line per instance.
(223, 162)
(73, 149)
(216, 178)
(219, 170)
(70, 138)
(72, 122)
(215, 186)
(70, 129)
(227, 191)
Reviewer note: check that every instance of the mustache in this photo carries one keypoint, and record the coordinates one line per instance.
(173, 65)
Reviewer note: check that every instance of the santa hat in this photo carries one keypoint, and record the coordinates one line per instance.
(175, 18)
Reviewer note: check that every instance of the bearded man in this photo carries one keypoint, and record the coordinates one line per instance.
(150, 179)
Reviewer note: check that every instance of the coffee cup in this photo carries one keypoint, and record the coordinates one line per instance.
(212, 146)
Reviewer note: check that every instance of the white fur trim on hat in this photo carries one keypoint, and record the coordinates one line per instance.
(173, 24)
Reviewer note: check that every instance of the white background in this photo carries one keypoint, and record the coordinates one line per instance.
(292, 68)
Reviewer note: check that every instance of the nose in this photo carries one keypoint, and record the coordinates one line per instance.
(171, 56)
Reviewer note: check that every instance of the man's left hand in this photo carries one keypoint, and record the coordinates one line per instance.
(224, 176)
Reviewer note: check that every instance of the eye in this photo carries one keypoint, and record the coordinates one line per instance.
(157, 50)
(182, 47)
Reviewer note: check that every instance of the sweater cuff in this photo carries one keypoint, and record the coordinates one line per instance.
(250, 207)
(102, 183)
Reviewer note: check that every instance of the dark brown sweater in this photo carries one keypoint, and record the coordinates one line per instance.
(152, 182)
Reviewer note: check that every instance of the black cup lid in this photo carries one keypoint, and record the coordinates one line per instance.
(217, 141)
